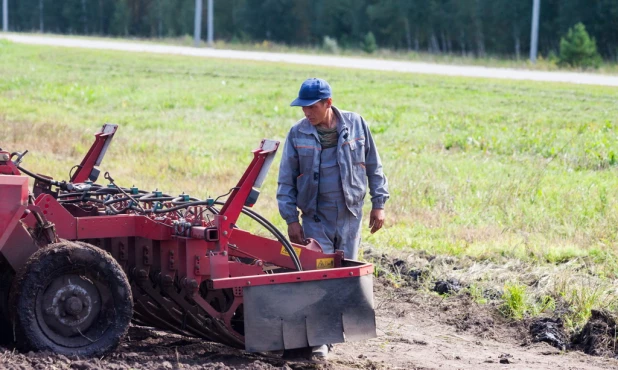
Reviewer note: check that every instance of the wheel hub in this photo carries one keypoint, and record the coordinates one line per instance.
(71, 304)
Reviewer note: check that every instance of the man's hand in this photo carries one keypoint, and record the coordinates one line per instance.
(296, 234)
(376, 220)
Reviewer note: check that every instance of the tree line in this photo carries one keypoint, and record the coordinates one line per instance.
(463, 27)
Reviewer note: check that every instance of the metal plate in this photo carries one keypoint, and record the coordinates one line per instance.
(311, 313)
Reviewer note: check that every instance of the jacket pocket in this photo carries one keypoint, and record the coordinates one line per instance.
(357, 150)
(359, 176)
(302, 187)
(305, 147)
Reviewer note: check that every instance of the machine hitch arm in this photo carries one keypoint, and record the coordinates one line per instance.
(86, 169)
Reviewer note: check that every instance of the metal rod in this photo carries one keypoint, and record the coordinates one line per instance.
(5, 15)
(197, 34)
(210, 22)
(534, 38)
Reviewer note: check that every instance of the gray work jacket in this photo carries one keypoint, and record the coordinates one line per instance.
(358, 158)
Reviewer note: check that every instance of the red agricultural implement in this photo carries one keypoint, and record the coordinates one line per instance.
(80, 260)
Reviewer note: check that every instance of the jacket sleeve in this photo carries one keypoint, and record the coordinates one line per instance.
(378, 184)
(286, 190)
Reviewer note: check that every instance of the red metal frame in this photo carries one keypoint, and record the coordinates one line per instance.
(147, 244)
(95, 155)
(14, 196)
(293, 277)
(210, 260)
(7, 167)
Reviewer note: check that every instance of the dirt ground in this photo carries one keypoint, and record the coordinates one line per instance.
(416, 330)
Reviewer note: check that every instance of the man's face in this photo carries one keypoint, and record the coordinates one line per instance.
(318, 112)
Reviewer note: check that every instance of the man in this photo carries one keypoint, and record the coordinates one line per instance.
(327, 159)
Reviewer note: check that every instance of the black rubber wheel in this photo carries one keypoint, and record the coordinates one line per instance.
(71, 299)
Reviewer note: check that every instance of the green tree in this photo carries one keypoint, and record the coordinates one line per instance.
(390, 23)
(346, 20)
(577, 49)
(481, 27)
(369, 43)
(120, 19)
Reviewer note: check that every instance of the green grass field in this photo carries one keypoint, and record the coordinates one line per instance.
(488, 169)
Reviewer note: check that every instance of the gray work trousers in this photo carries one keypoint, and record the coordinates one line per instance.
(337, 228)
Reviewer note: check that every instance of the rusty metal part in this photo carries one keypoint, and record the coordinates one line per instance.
(71, 303)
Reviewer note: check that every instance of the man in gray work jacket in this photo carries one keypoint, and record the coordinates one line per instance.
(329, 157)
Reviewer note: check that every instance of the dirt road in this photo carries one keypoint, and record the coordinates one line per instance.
(320, 60)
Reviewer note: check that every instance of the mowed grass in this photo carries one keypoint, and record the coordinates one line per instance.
(483, 168)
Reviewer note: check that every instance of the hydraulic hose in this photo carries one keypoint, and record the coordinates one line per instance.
(273, 230)
(34, 175)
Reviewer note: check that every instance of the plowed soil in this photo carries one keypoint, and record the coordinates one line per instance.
(416, 330)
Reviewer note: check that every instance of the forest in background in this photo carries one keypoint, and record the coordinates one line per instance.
(460, 27)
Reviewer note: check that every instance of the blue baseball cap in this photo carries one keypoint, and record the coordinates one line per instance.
(312, 91)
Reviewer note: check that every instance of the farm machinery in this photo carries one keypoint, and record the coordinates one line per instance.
(80, 260)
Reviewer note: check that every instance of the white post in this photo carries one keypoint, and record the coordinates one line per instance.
(534, 37)
(210, 22)
(5, 15)
(197, 33)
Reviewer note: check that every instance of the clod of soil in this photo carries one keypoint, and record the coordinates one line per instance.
(399, 267)
(598, 337)
(506, 358)
(550, 331)
(492, 294)
(407, 272)
(448, 286)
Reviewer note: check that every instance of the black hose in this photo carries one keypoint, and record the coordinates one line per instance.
(118, 211)
(280, 237)
(156, 199)
(153, 197)
(180, 201)
(276, 232)
(116, 200)
(105, 191)
(40, 178)
(191, 204)
(80, 200)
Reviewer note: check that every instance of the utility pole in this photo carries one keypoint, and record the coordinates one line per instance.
(5, 15)
(534, 37)
(210, 22)
(197, 32)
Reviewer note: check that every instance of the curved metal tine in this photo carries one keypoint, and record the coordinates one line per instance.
(155, 314)
(234, 340)
(179, 323)
(213, 331)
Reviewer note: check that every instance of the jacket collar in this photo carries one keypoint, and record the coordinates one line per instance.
(307, 128)
(342, 124)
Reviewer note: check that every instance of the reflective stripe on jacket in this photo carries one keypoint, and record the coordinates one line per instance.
(359, 163)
